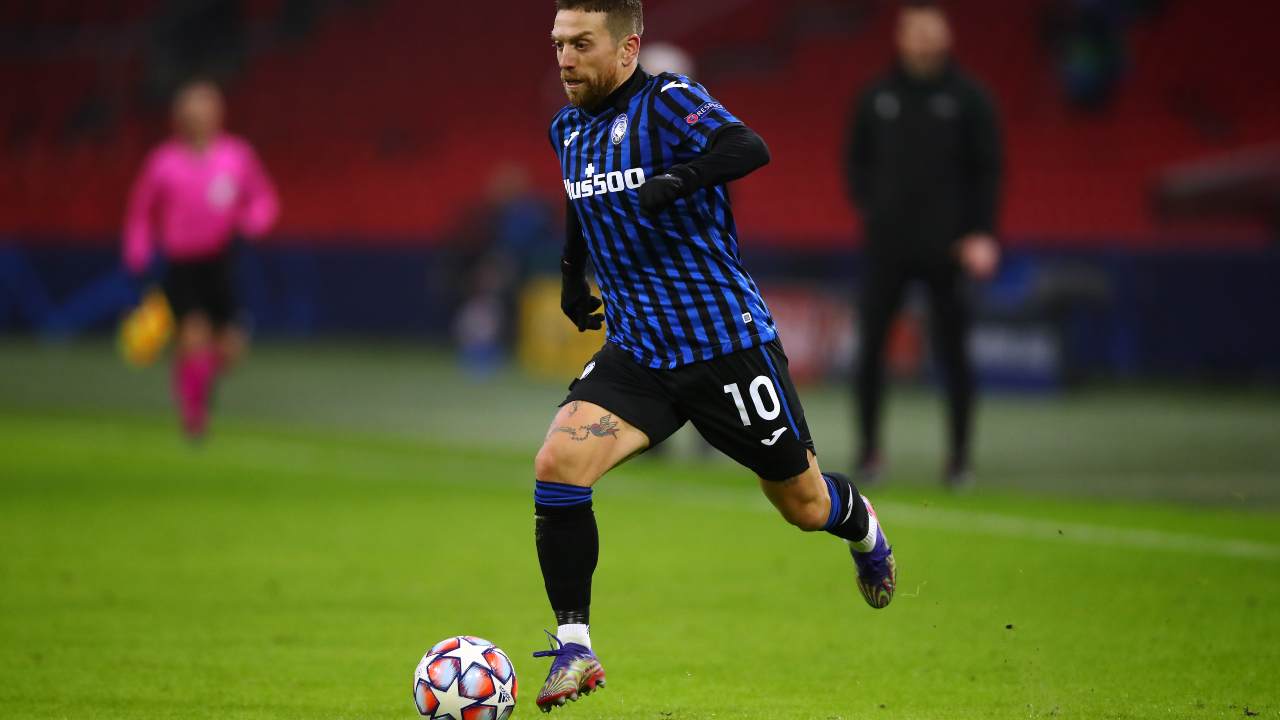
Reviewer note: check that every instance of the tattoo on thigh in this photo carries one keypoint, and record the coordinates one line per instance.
(606, 427)
(573, 408)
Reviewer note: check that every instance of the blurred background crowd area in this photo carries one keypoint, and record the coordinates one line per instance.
(420, 197)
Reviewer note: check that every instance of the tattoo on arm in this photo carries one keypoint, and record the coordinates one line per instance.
(605, 427)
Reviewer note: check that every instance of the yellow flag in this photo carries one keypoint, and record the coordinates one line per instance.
(146, 331)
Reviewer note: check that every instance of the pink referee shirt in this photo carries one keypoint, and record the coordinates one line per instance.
(189, 204)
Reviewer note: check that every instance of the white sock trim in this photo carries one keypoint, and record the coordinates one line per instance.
(575, 633)
(868, 543)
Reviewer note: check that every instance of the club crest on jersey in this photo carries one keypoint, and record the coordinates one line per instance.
(619, 131)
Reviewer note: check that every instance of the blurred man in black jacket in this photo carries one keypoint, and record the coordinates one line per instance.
(924, 166)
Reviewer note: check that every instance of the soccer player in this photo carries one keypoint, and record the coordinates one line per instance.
(196, 192)
(645, 161)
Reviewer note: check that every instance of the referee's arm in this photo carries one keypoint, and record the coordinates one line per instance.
(139, 230)
(979, 250)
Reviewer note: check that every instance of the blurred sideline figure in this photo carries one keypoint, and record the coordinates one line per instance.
(500, 243)
(661, 57)
(924, 169)
(197, 191)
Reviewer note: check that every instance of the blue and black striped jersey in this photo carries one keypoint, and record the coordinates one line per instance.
(674, 288)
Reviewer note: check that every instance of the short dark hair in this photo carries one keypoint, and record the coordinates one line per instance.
(922, 5)
(624, 17)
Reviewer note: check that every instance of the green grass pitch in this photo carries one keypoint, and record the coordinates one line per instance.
(1122, 559)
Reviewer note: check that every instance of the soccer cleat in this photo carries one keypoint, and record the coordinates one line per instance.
(575, 671)
(877, 570)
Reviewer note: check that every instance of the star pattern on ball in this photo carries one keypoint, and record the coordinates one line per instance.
(468, 654)
(449, 698)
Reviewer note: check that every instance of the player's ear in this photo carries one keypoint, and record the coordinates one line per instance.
(630, 50)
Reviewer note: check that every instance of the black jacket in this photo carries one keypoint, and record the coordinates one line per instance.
(924, 164)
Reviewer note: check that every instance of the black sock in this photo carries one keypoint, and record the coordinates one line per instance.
(568, 548)
(848, 517)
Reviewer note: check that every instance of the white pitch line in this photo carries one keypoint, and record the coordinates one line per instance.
(982, 523)
(996, 524)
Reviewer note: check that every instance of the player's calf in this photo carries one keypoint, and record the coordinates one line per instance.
(830, 502)
(584, 442)
(801, 502)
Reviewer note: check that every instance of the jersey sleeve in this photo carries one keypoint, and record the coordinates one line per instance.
(139, 223)
(261, 206)
(687, 114)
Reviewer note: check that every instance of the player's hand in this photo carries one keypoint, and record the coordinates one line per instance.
(578, 304)
(658, 193)
(980, 255)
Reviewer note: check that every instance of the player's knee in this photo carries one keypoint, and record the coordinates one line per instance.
(545, 464)
(559, 464)
(195, 332)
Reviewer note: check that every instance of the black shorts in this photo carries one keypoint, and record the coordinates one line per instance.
(201, 286)
(743, 403)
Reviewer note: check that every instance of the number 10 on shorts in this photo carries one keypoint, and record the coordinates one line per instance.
(759, 387)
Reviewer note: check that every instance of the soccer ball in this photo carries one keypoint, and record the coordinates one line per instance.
(465, 678)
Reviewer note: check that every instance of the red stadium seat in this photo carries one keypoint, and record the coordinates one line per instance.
(389, 118)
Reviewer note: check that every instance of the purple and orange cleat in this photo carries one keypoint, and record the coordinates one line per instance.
(575, 671)
(877, 570)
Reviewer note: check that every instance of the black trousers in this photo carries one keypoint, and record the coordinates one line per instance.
(884, 288)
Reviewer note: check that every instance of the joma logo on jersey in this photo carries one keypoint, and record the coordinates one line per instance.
(603, 183)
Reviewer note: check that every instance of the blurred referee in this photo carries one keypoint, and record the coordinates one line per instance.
(924, 169)
(196, 192)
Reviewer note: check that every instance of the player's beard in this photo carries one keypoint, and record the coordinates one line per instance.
(592, 91)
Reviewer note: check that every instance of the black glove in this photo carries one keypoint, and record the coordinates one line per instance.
(657, 194)
(576, 300)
